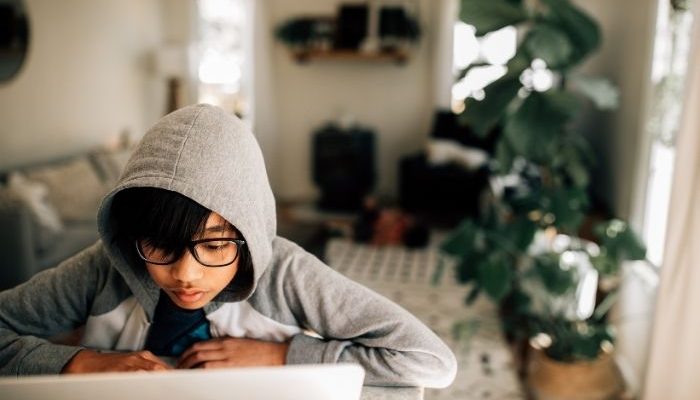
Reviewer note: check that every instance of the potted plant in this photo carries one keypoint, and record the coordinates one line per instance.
(525, 251)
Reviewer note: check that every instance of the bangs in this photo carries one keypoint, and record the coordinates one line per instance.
(165, 219)
(169, 221)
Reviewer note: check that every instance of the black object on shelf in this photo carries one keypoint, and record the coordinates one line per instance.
(395, 23)
(343, 166)
(308, 33)
(351, 26)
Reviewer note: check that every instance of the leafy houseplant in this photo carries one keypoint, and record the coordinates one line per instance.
(524, 251)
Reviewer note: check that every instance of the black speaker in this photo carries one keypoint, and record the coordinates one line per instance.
(352, 26)
(343, 166)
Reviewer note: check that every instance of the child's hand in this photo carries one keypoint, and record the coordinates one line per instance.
(233, 352)
(91, 361)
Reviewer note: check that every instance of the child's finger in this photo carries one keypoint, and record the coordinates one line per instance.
(147, 355)
(200, 346)
(200, 356)
(214, 364)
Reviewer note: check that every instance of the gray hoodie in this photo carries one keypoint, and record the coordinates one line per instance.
(212, 158)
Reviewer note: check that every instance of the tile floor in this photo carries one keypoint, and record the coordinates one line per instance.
(406, 276)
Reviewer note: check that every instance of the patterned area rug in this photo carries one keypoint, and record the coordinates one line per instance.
(406, 276)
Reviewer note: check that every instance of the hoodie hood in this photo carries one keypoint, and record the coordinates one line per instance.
(211, 157)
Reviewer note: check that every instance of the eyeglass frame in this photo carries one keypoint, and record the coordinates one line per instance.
(190, 247)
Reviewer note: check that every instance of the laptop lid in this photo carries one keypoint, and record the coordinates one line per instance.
(310, 382)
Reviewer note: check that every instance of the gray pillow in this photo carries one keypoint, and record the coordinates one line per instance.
(75, 189)
(21, 192)
(109, 164)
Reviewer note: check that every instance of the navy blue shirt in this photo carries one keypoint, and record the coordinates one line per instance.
(174, 329)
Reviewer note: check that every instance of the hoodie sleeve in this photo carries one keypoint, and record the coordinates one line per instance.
(54, 301)
(359, 326)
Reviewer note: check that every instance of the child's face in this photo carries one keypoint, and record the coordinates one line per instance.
(188, 283)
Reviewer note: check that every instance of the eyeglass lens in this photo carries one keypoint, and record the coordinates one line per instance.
(210, 253)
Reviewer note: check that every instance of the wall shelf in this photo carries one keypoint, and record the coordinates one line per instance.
(397, 56)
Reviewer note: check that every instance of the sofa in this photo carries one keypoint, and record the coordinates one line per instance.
(48, 211)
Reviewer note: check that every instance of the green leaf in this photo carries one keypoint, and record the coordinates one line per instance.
(492, 15)
(504, 156)
(586, 347)
(619, 241)
(534, 130)
(562, 207)
(519, 63)
(605, 265)
(495, 275)
(601, 91)
(554, 278)
(550, 44)
(576, 170)
(574, 159)
(634, 248)
(562, 104)
(582, 30)
(531, 129)
(602, 309)
(473, 295)
(460, 242)
(522, 231)
(466, 269)
(568, 205)
(483, 115)
(583, 148)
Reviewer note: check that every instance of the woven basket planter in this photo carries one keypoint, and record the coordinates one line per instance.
(598, 379)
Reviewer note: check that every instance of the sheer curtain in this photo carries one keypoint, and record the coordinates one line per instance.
(674, 359)
(445, 18)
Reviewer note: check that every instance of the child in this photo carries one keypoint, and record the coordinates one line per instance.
(189, 273)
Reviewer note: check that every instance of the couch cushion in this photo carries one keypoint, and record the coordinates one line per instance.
(109, 164)
(73, 238)
(21, 192)
(75, 189)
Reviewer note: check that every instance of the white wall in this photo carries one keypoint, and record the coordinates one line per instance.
(395, 100)
(625, 58)
(618, 137)
(86, 79)
(180, 29)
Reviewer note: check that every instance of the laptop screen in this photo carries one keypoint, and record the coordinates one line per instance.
(310, 382)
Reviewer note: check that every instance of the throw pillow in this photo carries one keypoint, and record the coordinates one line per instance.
(110, 163)
(74, 188)
(33, 195)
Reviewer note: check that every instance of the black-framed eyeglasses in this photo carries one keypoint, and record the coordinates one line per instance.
(218, 252)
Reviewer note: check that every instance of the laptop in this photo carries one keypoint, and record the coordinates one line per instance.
(309, 382)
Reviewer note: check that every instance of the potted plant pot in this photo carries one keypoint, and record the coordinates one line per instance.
(597, 379)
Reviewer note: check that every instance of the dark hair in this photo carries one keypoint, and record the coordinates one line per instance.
(170, 221)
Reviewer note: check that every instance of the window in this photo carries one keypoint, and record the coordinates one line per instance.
(670, 61)
(222, 68)
(493, 49)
